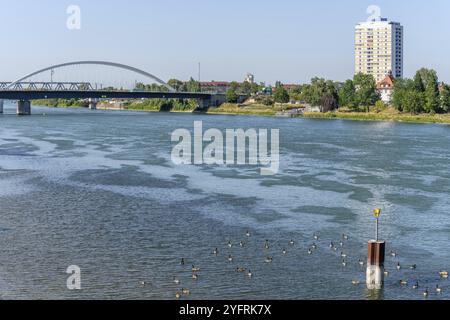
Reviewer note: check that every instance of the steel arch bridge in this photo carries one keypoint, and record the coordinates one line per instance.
(19, 83)
(25, 91)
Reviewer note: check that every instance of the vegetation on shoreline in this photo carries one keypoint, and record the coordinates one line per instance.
(421, 100)
(253, 109)
(389, 114)
(61, 103)
(157, 105)
(162, 105)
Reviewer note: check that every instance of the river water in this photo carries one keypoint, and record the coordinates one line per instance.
(97, 189)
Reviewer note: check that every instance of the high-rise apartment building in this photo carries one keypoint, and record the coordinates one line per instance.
(379, 48)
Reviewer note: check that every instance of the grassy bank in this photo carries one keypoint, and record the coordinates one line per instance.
(254, 109)
(162, 105)
(150, 105)
(60, 103)
(387, 115)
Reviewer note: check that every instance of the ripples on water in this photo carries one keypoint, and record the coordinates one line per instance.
(98, 190)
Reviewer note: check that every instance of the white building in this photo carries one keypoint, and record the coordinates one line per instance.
(379, 48)
(386, 87)
(250, 78)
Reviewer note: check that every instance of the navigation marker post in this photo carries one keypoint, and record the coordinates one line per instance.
(376, 258)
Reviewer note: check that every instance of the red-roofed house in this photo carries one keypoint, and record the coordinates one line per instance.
(386, 87)
(216, 86)
(289, 86)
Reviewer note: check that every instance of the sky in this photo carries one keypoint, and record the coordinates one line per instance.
(286, 40)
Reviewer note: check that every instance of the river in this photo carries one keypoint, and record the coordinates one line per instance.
(97, 189)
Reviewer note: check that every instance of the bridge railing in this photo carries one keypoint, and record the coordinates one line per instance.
(46, 86)
(78, 86)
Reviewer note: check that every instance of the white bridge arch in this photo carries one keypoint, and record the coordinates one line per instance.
(102, 63)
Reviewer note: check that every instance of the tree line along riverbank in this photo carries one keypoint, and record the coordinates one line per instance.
(387, 114)
(422, 99)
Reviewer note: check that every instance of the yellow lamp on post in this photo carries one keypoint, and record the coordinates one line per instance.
(377, 215)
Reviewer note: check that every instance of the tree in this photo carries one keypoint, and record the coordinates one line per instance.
(419, 84)
(426, 75)
(176, 84)
(402, 87)
(231, 95)
(281, 95)
(432, 102)
(256, 88)
(445, 98)
(139, 86)
(265, 100)
(398, 98)
(380, 106)
(246, 88)
(306, 93)
(193, 86)
(295, 93)
(413, 102)
(319, 88)
(328, 103)
(347, 95)
(234, 85)
(366, 90)
(314, 93)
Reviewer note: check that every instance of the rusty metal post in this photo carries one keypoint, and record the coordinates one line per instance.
(375, 264)
(375, 261)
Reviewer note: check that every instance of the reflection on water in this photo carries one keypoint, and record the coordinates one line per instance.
(375, 294)
(98, 190)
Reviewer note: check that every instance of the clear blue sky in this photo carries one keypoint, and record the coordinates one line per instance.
(287, 40)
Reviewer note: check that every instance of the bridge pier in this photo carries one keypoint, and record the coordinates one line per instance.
(23, 107)
(1, 106)
(218, 99)
(93, 104)
(213, 101)
(204, 103)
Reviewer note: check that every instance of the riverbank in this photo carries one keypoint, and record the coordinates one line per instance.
(150, 105)
(161, 105)
(61, 103)
(389, 114)
(248, 110)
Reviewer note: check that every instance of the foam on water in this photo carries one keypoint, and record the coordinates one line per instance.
(328, 182)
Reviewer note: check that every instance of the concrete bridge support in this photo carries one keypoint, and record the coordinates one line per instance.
(23, 107)
(93, 104)
(218, 99)
(212, 102)
(204, 103)
(1, 106)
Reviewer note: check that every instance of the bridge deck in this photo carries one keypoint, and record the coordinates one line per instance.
(93, 94)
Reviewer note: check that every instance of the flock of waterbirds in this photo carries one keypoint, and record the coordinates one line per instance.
(337, 247)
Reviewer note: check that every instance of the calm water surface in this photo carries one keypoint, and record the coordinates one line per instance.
(98, 190)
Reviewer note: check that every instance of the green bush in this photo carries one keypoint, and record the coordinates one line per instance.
(379, 106)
